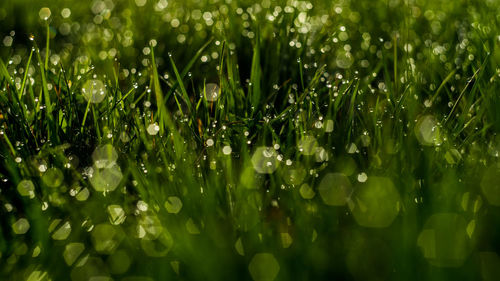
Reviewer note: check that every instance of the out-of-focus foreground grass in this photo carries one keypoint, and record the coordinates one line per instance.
(249, 140)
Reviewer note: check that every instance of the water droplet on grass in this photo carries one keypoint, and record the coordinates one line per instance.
(44, 13)
(362, 177)
(427, 131)
(94, 90)
(227, 150)
(213, 91)
(210, 142)
(307, 145)
(153, 129)
(264, 160)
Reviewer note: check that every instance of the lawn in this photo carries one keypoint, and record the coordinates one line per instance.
(262, 140)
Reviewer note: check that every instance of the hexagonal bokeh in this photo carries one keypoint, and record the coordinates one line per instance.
(173, 204)
(335, 189)
(307, 145)
(293, 174)
(105, 156)
(21, 226)
(106, 238)
(427, 131)
(72, 251)
(26, 188)
(264, 267)
(116, 214)
(376, 202)
(106, 179)
(306, 191)
(53, 177)
(264, 160)
(444, 241)
(490, 184)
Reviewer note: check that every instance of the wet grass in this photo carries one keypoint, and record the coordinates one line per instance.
(279, 140)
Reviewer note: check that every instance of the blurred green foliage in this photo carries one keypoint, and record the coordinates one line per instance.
(250, 140)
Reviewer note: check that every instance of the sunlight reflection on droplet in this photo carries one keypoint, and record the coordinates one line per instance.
(427, 131)
(153, 129)
(307, 145)
(212, 90)
(227, 150)
(44, 13)
(264, 160)
(94, 90)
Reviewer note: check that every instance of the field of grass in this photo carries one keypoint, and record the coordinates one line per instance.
(259, 140)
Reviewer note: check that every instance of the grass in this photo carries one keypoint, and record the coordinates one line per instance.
(343, 140)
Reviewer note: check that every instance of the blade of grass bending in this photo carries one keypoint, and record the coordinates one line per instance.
(5, 72)
(9, 144)
(461, 95)
(442, 85)
(188, 67)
